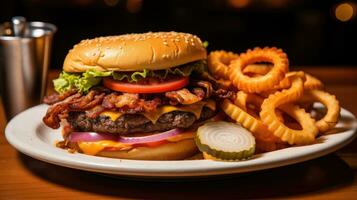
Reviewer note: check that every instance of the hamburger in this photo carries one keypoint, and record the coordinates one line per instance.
(134, 96)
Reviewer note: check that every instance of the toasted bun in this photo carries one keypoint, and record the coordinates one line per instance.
(170, 151)
(133, 52)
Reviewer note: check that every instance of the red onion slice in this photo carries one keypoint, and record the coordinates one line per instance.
(90, 137)
(94, 137)
(150, 138)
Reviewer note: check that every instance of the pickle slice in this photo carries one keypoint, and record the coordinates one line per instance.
(225, 141)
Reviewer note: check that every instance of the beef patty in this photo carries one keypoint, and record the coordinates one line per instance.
(130, 123)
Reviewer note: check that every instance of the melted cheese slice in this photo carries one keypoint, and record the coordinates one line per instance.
(112, 115)
(153, 116)
(93, 148)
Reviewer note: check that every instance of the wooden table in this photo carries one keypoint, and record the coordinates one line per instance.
(331, 176)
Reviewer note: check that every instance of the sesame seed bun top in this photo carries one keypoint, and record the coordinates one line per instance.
(133, 52)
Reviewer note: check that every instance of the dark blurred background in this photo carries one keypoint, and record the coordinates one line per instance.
(319, 32)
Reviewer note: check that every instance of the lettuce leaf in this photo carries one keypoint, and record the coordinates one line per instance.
(89, 79)
(131, 77)
(65, 81)
(83, 82)
(185, 70)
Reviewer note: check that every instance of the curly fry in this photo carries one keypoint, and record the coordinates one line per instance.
(286, 83)
(333, 108)
(262, 69)
(283, 84)
(279, 99)
(265, 140)
(260, 83)
(219, 61)
(242, 99)
(246, 120)
(312, 83)
(252, 98)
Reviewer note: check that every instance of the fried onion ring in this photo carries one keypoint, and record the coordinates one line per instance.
(310, 83)
(332, 116)
(280, 99)
(260, 83)
(219, 61)
(257, 69)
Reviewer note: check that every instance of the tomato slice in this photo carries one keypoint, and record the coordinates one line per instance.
(146, 87)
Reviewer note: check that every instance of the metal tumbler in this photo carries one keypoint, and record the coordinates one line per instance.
(24, 58)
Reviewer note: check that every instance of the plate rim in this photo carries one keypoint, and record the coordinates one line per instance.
(95, 164)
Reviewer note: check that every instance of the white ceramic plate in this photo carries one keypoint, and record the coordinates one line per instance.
(28, 134)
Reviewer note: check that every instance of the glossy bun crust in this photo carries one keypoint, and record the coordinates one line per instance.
(134, 52)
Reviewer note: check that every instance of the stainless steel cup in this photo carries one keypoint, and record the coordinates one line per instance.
(24, 58)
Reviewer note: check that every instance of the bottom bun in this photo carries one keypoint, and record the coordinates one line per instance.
(170, 151)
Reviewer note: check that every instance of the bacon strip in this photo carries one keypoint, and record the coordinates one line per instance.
(75, 102)
(130, 103)
(94, 112)
(206, 85)
(184, 96)
(54, 98)
(224, 94)
(52, 117)
(89, 101)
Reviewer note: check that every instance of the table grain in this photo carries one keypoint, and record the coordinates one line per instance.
(329, 177)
